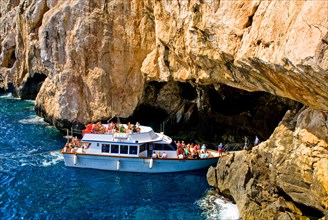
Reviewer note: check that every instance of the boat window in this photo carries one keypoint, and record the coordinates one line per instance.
(168, 147)
(114, 149)
(158, 147)
(133, 149)
(124, 149)
(105, 148)
(142, 148)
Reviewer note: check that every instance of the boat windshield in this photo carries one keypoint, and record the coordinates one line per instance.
(167, 147)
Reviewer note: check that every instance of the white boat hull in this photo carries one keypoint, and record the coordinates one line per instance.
(136, 164)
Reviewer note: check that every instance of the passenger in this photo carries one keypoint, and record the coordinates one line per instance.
(256, 141)
(180, 151)
(186, 151)
(195, 155)
(203, 154)
(154, 155)
(129, 126)
(75, 142)
(159, 155)
(197, 147)
(220, 149)
(164, 155)
(122, 129)
(203, 147)
(65, 148)
(178, 144)
(191, 149)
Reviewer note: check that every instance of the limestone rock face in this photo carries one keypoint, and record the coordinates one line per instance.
(289, 169)
(274, 46)
(92, 51)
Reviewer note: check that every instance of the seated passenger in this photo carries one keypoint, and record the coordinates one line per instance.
(203, 147)
(180, 151)
(195, 154)
(186, 151)
(75, 142)
(203, 154)
(129, 126)
(154, 155)
(159, 155)
(164, 155)
(122, 129)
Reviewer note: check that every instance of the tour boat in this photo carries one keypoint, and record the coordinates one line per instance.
(130, 151)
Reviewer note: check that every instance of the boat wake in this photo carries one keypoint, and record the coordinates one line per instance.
(44, 159)
(217, 207)
(33, 119)
(55, 157)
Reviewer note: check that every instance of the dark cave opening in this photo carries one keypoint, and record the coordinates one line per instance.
(32, 85)
(187, 91)
(225, 115)
(148, 115)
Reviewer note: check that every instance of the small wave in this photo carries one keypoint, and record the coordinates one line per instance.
(33, 119)
(56, 157)
(30, 100)
(216, 207)
(7, 96)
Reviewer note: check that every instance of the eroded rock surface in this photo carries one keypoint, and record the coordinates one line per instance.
(288, 173)
(95, 53)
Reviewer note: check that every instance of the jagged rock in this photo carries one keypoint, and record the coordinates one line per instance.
(91, 51)
(287, 173)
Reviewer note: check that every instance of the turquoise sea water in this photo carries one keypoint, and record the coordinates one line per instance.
(35, 184)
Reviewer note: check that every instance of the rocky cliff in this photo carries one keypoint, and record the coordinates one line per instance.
(284, 177)
(186, 61)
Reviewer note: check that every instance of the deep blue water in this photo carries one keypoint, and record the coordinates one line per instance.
(35, 184)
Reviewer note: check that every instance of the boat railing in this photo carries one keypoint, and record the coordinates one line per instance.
(233, 147)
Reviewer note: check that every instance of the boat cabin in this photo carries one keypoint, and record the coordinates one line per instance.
(128, 144)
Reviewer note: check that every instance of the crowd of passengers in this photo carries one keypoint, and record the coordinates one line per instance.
(72, 146)
(192, 150)
(99, 128)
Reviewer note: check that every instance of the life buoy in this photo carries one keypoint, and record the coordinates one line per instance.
(75, 159)
(118, 165)
(151, 163)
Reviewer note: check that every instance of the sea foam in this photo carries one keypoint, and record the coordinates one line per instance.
(55, 158)
(33, 119)
(217, 207)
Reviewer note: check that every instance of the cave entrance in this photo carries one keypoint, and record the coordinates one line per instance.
(210, 115)
(32, 85)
